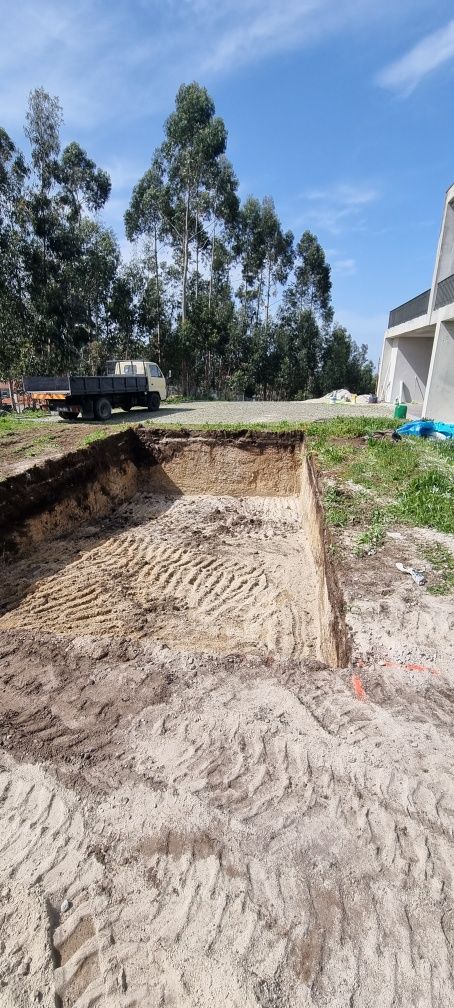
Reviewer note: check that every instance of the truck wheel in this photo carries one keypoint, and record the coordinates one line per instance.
(154, 401)
(68, 415)
(126, 405)
(102, 409)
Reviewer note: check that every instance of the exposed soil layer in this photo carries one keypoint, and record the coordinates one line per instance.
(91, 483)
(194, 810)
(217, 574)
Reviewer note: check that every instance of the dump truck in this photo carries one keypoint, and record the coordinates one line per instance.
(126, 383)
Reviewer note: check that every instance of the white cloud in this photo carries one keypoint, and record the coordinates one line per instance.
(339, 207)
(344, 267)
(124, 61)
(431, 52)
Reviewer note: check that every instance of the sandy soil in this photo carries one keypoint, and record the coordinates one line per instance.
(209, 573)
(193, 811)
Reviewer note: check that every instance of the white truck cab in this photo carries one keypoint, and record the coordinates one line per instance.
(155, 378)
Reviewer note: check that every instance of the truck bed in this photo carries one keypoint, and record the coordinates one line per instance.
(85, 385)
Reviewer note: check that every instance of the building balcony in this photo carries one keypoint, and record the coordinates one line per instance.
(411, 309)
(445, 292)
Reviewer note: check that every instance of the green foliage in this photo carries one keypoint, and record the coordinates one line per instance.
(344, 364)
(412, 478)
(338, 507)
(442, 561)
(428, 500)
(99, 435)
(68, 303)
(374, 535)
(11, 424)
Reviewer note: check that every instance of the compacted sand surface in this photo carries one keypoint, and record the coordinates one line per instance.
(193, 810)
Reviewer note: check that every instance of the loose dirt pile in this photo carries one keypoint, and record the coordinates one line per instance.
(194, 811)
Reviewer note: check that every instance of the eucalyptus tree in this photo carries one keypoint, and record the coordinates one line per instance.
(279, 255)
(250, 249)
(62, 191)
(344, 364)
(195, 140)
(222, 210)
(147, 216)
(14, 311)
(312, 282)
(83, 186)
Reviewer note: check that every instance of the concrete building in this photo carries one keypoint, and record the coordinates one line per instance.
(417, 363)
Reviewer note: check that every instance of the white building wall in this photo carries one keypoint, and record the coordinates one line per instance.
(412, 368)
(427, 377)
(439, 399)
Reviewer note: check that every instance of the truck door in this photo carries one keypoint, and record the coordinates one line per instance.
(156, 380)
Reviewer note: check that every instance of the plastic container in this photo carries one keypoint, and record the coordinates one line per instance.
(400, 411)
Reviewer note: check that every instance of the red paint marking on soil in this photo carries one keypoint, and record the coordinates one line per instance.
(358, 688)
(411, 667)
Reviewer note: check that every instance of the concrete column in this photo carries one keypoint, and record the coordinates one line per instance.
(439, 398)
(387, 368)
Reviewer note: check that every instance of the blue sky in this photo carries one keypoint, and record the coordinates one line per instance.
(339, 109)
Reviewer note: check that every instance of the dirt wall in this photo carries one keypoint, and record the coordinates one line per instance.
(239, 464)
(330, 610)
(49, 499)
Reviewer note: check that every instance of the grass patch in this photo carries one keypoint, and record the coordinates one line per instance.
(413, 479)
(340, 507)
(321, 429)
(35, 447)
(442, 561)
(175, 400)
(12, 424)
(428, 500)
(374, 536)
(98, 435)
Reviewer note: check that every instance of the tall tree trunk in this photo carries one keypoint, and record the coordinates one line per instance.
(184, 368)
(259, 298)
(185, 260)
(158, 295)
(12, 396)
(210, 289)
(197, 251)
(268, 291)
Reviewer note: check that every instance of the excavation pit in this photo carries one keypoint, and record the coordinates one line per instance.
(195, 808)
(209, 543)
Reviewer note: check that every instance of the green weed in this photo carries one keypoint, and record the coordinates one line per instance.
(373, 536)
(340, 507)
(442, 561)
(98, 435)
(12, 424)
(428, 500)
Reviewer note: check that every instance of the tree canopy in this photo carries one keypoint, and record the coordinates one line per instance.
(217, 291)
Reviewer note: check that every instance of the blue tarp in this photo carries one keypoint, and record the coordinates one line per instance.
(427, 429)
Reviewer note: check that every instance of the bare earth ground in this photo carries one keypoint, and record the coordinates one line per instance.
(193, 811)
(53, 438)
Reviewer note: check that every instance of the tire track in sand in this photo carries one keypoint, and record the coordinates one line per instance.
(216, 592)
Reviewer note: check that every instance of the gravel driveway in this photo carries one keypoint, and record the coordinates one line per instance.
(259, 412)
